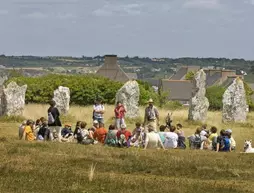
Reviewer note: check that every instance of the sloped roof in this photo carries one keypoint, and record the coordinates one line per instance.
(210, 80)
(178, 89)
(132, 76)
(112, 70)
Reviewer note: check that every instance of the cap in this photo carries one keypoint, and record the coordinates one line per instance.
(123, 126)
(229, 131)
(95, 122)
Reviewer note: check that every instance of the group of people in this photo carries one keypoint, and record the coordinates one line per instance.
(144, 135)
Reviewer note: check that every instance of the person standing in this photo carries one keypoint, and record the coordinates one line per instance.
(98, 111)
(54, 122)
(119, 114)
(151, 116)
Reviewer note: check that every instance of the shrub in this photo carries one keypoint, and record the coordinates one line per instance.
(172, 105)
(83, 89)
(215, 96)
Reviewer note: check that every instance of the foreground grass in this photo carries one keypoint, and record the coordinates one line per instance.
(61, 167)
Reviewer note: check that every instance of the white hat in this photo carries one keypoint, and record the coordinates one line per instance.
(150, 101)
(123, 126)
(229, 131)
(95, 122)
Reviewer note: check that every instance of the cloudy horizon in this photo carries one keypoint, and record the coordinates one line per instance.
(145, 28)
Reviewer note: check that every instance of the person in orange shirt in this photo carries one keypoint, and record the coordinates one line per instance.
(28, 131)
(100, 133)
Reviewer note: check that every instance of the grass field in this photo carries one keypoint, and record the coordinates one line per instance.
(61, 167)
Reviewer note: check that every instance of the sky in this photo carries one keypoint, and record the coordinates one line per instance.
(145, 28)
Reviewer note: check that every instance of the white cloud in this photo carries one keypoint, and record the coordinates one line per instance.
(4, 12)
(203, 4)
(110, 9)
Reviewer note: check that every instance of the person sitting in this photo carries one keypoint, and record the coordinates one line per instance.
(162, 133)
(67, 133)
(123, 136)
(171, 138)
(38, 125)
(100, 133)
(137, 136)
(28, 131)
(212, 139)
(22, 129)
(152, 139)
(232, 140)
(43, 133)
(83, 135)
(204, 132)
(111, 139)
(181, 137)
(196, 141)
(223, 142)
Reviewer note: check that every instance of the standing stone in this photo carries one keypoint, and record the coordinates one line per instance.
(234, 102)
(14, 99)
(199, 104)
(128, 95)
(62, 99)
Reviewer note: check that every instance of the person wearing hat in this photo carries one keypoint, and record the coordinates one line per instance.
(151, 115)
(123, 136)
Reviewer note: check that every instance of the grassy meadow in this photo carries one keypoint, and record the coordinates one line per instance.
(61, 167)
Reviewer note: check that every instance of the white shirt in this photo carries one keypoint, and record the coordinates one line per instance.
(203, 133)
(153, 140)
(171, 139)
(98, 108)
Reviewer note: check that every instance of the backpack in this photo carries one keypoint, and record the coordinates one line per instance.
(196, 143)
(225, 144)
(51, 119)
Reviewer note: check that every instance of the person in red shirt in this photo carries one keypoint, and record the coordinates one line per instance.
(119, 114)
(123, 136)
(100, 133)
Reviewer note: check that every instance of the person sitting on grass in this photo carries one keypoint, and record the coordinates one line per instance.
(83, 135)
(223, 142)
(43, 133)
(232, 140)
(38, 124)
(137, 138)
(212, 139)
(100, 133)
(67, 133)
(77, 127)
(196, 141)
(28, 131)
(111, 139)
(171, 138)
(21, 129)
(123, 137)
(152, 139)
(162, 133)
(181, 137)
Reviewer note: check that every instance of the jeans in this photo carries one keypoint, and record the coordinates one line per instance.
(119, 121)
(100, 120)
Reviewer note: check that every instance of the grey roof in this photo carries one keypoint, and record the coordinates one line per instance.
(210, 80)
(132, 76)
(178, 89)
(151, 81)
(112, 70)
(179, 74)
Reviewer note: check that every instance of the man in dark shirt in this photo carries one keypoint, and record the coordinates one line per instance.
(56, 124)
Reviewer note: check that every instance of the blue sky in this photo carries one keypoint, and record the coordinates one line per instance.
(153, 28)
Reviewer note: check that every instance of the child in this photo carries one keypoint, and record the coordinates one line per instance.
(21, 129)
(28, 131)
(162, 133)
(100, 133)
(111, 139)
(83, 135)
(76, 129)
(123, 136)
(232, 140)
(137, 135)
(38, 124)
(212, 139)
(181, 137)
(43, 133)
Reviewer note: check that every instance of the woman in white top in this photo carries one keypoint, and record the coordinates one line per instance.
(171, 138)
(152, 139)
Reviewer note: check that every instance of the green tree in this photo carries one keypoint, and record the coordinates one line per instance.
(215, 96)
(190, 75)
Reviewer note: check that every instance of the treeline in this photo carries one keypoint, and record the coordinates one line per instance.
(83, 89)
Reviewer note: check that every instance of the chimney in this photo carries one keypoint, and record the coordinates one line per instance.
(110, 61)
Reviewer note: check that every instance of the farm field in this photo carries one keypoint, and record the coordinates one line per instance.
(61, 167)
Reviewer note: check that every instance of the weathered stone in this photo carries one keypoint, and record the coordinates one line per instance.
(14, 99)
(199, 104)
(62, 99)
(234, 102)
(3, 78)
(128, 95)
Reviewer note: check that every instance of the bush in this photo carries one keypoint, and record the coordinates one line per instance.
(173, 105)
(83, 89)
(215, 96)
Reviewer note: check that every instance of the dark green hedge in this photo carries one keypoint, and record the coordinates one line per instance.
(84, 89)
